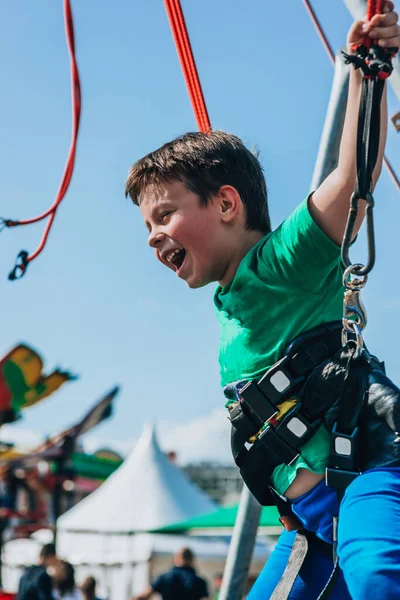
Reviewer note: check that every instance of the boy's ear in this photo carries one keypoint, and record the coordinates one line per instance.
(229, 203)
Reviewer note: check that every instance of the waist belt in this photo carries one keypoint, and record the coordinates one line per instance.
(259, 402)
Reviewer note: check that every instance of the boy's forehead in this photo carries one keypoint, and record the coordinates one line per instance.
(160, 193)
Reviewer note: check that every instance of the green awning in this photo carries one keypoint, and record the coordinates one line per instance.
(93, 467)
(223, 518)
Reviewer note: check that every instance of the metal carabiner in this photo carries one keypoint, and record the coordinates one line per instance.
(352, 327)
(354, 312)
(354, 309)
(348, 234)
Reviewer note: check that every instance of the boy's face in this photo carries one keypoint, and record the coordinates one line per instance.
(188, 238)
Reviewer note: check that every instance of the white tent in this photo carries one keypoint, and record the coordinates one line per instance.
(146, 492)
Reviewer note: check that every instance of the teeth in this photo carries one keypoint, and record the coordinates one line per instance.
(170, 255)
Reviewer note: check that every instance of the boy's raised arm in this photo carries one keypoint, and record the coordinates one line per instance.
(329, 205)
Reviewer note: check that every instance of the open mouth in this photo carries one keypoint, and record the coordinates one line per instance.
(176, 258)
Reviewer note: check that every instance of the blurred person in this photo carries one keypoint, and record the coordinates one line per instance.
(217, 585)
(64, 582)
(36, 583)
(180, 582)
(88, 589)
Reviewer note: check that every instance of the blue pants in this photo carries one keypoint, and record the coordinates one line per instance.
(368, 542)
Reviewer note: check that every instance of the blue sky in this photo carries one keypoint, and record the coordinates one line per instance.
(96, 301)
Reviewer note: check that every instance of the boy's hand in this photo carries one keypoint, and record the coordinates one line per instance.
(382, 29)
(329, 205)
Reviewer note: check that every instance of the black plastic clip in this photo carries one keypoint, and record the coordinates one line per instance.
(274, 443)
(256, 405)
(295, 429)
(277, 382)
(343, 460)
(20, 266)
(344, 449)
(339, 479)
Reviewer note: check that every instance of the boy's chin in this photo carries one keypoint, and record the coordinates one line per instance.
(195, 284)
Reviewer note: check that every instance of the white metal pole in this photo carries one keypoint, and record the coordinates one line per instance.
(241, 547)
(328, 152)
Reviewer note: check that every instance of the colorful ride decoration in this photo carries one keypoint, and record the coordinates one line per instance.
(37, 486)
(23, 383)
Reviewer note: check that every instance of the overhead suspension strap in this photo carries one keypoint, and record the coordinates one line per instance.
(375, 63)
(184, 50)
(24, 258)
(329, 51)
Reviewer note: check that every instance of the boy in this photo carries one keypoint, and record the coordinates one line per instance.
(204, 201)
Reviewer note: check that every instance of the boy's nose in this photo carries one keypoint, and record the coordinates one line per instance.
(155, 239)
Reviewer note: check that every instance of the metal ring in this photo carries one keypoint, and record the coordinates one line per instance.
(354, 284)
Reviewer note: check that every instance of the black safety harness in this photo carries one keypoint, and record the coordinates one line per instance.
(323, 374)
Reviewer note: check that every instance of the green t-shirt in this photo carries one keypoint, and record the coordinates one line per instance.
(288, 283)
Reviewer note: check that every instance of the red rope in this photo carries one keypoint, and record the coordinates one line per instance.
(377, 7)
(69, 167)
(186, 58)
(374, 7)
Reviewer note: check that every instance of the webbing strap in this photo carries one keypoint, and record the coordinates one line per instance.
(295, 562)
(330, 586)
(300, 548)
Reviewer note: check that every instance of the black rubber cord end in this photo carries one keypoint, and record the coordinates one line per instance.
(20, 266)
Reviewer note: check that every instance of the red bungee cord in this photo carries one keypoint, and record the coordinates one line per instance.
(184, 50)
(24, 258)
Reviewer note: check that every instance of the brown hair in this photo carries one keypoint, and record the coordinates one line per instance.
(64, 578)
(88, 588)
(203, 163)
(48, 551)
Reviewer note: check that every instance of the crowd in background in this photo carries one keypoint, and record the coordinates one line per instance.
(53, 579)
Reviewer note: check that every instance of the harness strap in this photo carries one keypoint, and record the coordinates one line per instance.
(344, 465)
(256, 413)
(334, 576)
(328, 589)
(301, 545)
(295, 562)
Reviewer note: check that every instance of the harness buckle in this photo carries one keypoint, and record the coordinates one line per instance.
(339, 479)
(295, 429)
(256, 405)
(277, 382)
(276, 444)
(344, 450)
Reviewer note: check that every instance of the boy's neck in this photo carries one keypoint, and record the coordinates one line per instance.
(245, 243)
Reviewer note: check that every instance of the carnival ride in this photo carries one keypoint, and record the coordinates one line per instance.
(38, 484)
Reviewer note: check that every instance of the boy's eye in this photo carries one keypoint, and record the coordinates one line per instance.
(164, 215)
